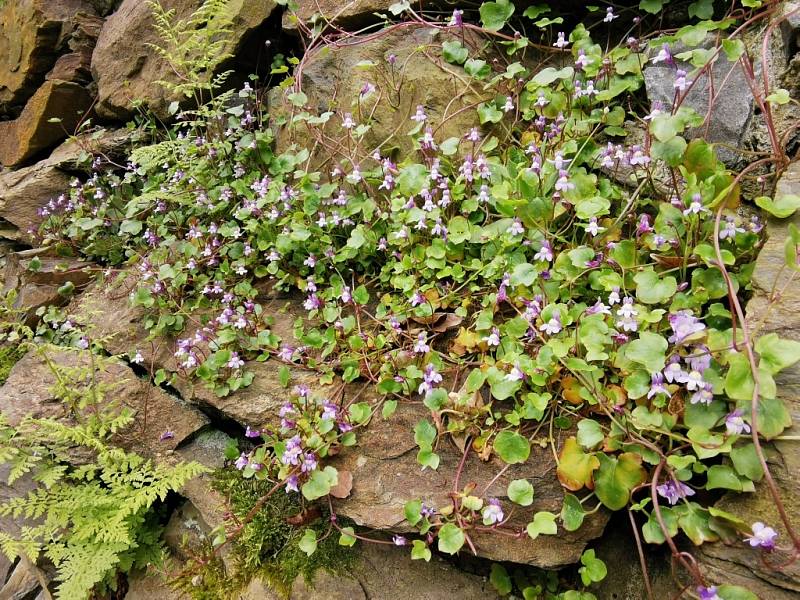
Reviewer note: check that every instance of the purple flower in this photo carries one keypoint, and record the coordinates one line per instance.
(664, 55)
(699, 359)
(235, 362)
(291, 484)
(242, 461)
(673, 372)
(291, 455)
(399, 540)
(561, 42)
(286, 353)
(420, 115)
(492, 512)
(553, 326)
(674, 491)
(251, 433)
(493, 339)
(656, 385)
(167, 435)
(708, 593)
(684, 324)
(735, 424)
(329, 411)
(421, 346)
(309, 462)
(763, 536)
(545, 252)
(302, 390)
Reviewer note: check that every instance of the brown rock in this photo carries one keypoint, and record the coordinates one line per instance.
(127, 69)
(28, 391)
(769, 312)
(32, 132)
(24, 191)
(40, 288)
(150, 585)
(32, 35)
(386, 475)
(346, 14)
(333, 76)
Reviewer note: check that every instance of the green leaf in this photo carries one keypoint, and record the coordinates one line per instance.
(454, 52)
(500, 579)
(524, 274)
(520, 491)
(593, 569)
(320, 483)
(652, 289)
(649, 351)
(495, 14)
(616, 477)
(308, 542)
(420, 551)
(572, 513)
(733, 50)
(779, 96)
(702, 9)
(413, 511)
(412, 179)
(776, 353)
(450, 538)
(575, 467)
(735, 592)
(131, 227)
(745, 461)
(512, 447)
(589, 433)
(651, 6)
(347, 537)
(488, 113)
(544, 523)
(781, 207)
(550, 74)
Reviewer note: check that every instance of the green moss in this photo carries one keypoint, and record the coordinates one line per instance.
(9, 355)
(268, 546)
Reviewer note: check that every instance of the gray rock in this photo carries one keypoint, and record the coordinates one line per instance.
(724, 85)
(778, 313)
(127, 69)
(386, 475)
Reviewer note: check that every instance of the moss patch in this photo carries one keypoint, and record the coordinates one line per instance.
(9, 355)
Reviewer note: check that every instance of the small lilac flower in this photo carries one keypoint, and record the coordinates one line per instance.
(593, 228)
(684, 324)
(492, 512)
(681, 83)
(251, 433)
(291, 484)
(729, 229)
(509, 105)
(420, 346)
(417, 299)
(664, 55)
(493, 339)
(457, 20)
(545, 252)
(242, 461)
(561, 42)
(553, 326)
(763, 536)
(610, 16)
(674, 491)
(329, 411)
(399, 540)
(167, 435)
(516, 374)
(420, 115)
(309, 462)
(673, 372)
(291, 456)
(656, 385)
(286, 353)
(708, 593)
(598, 308)
(734, 423)
(83, 343)
(695, 206)
(302, 390)
(235, 362)
(516, 228)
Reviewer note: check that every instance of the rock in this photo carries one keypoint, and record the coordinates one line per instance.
(332, 79)
(32, 35)
(40, 288)
(32, 132)
(28, 391)
(346, 14)
(126, 68)
(388, 573)
(732, 110)
(107, 309)
(23, 581)
(24, 191)
(739, 564)
(386, 475)
(149, 585)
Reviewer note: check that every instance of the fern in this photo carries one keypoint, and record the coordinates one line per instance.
(91, 520)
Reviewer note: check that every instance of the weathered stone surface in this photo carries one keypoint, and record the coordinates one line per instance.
(32, 132)
(107, 308)
(347, 13)
(23, 581)
(40, 288)
(126, 68)
(768, 312)
(332, 81)
(24, 191)
(32, 35)
(386, 475)
(388, 573)
(727, 117)
(28, 392)
(151, 586)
